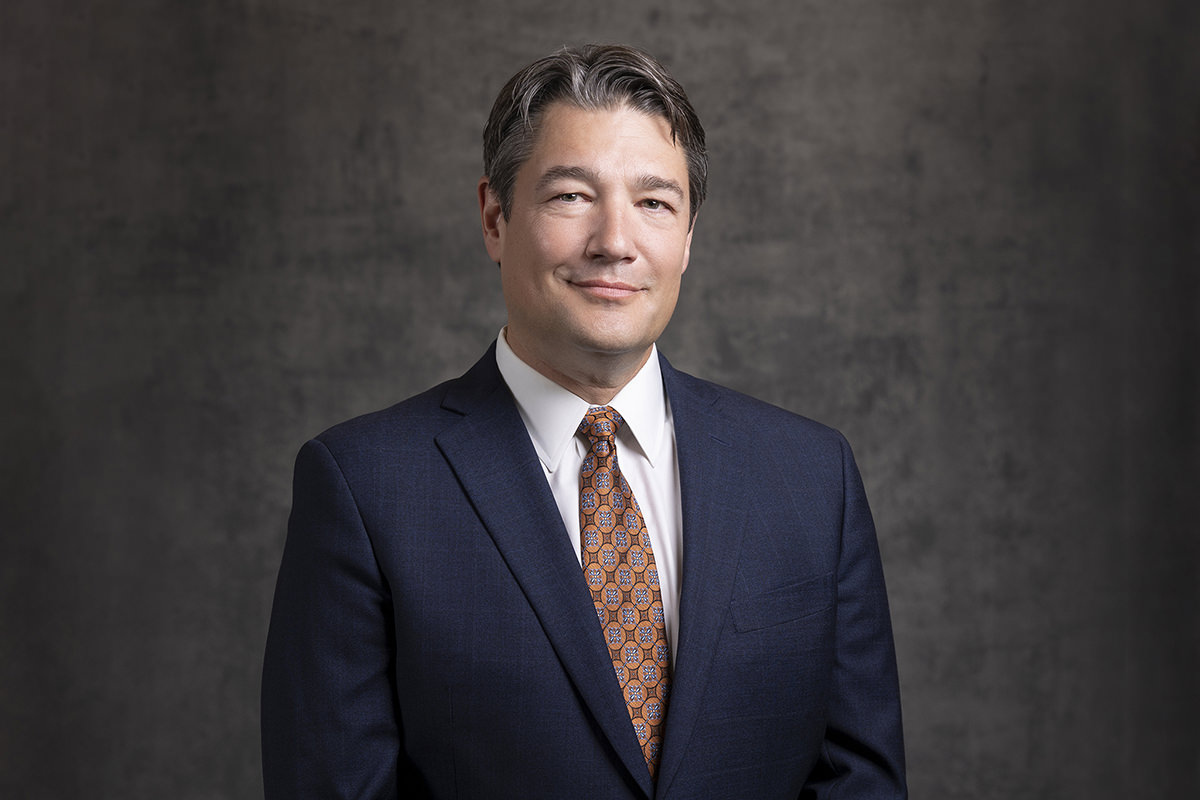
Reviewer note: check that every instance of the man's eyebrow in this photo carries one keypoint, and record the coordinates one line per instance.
(654, 183)
(561, 173)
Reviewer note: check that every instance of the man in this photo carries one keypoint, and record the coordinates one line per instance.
(575, 572)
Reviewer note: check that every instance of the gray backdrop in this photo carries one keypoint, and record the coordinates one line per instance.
(965, 233)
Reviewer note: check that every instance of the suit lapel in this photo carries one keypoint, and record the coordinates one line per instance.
(714, 515)
(490, 452)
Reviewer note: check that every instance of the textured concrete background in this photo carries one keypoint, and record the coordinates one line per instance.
(963, 232)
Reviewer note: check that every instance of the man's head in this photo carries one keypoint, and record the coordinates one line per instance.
(595, 169)
(593, 77)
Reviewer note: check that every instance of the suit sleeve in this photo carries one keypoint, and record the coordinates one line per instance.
(863, 753)
(330, 718)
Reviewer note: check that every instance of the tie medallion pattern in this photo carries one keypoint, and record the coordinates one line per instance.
(618, 565)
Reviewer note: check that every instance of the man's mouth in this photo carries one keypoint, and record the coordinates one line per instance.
(606, 289)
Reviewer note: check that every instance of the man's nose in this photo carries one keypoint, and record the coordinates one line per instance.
(612, 234)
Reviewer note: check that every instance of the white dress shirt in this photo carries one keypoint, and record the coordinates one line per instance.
(645, 454)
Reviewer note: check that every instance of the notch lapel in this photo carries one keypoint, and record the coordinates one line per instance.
(714, 518)
(490, 452)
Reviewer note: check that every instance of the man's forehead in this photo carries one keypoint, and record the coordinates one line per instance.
(560, 115)
(569, 136)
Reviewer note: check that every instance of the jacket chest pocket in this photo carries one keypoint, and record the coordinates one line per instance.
(753, 611)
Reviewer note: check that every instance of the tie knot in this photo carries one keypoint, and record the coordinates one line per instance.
(600, 422)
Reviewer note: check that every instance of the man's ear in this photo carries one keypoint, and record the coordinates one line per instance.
(493, 220)
(687, 245)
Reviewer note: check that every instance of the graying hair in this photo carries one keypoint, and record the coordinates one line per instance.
(592, 77)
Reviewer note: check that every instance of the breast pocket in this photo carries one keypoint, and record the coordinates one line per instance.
(795, 601)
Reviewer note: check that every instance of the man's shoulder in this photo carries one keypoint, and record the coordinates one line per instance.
(416, 415)
(419, 418)
(773, 446)
(753, 417)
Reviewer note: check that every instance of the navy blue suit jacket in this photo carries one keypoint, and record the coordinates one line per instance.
(432, 635)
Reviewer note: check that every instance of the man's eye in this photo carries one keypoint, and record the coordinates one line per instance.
(569, 197)
(654, 205)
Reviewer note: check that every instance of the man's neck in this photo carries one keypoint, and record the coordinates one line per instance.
(596, 377)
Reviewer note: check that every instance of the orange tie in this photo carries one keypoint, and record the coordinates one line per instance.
(618, 565)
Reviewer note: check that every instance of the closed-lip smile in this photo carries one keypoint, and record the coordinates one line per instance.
(603, 288)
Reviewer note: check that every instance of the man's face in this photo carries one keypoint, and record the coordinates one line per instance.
(596, 241)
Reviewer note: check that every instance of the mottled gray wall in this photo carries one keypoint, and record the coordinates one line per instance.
(963, 232)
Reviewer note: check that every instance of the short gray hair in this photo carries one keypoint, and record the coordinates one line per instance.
(591, 77)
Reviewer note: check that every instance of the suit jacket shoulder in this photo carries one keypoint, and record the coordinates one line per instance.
(746, 412)
(411, 427)
(774, 439)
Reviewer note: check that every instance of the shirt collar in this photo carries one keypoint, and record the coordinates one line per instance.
(552, 414)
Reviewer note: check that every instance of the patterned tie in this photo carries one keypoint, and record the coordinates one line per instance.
(618, 565)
